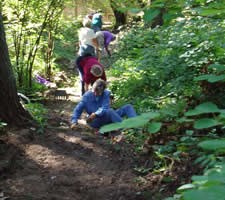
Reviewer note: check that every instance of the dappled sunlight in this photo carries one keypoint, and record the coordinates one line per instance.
(48, 158)
(85, 144)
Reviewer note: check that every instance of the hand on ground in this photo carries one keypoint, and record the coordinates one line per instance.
(91, 117)
(74, 126)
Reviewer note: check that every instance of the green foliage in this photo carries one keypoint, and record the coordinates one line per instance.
(66, 39)
(205, 123)
(31, 28)
(213, 145)
(207, 107)
(154, 127)
(165, 69)
(39, 114)
(210, 186)
(134, 122)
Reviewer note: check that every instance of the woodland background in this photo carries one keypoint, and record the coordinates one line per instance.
(169, 60)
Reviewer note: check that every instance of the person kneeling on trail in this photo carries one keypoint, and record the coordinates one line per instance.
(96, 103)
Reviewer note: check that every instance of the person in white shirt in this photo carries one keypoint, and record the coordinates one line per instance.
(87, 40)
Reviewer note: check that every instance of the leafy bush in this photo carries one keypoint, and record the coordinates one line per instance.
(39, 114)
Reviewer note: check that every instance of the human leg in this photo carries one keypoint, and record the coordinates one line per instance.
(126, 110)
(110, 116)
(80, 72)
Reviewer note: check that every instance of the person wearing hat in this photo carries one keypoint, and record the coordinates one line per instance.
(96, 23)
(96, 103)
(89, 70)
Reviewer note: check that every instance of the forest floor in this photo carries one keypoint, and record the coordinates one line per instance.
(65, 164)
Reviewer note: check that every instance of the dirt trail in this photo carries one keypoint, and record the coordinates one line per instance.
(62, 164)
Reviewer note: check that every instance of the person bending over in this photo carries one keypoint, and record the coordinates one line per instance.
(88, 44)
(104, 38)
(89, 70)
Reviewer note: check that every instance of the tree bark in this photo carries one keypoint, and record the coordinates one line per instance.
(11, 110)
(158, 21)
(121, 18)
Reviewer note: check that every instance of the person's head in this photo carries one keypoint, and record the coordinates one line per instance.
(99, 87)
(96, 70)
(100, 39)
(90, 16)
(87, 22)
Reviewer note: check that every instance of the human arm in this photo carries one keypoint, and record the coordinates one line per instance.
(86, 87)
(91, 117)
(77, 112)
(95, 43)
(107, 50)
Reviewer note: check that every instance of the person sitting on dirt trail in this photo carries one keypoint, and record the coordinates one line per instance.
(89, 70)
(104, 38)
(96, 103)
(88, 44)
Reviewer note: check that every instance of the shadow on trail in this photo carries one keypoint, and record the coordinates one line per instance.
(67, 165)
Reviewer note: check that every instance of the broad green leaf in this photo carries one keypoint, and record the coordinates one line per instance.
(150, 115)
(218, 67)
(207, 193)
(199, 179)
(154, 127)
(184, 119)
(193, 112)
(210, 78)
(186, 187)
(207, 107)
(134, 122)
(209, 11)
(222, 115)
(202, 77)
(110, 127)
(215, 78)
(213, 144)
(205, 123)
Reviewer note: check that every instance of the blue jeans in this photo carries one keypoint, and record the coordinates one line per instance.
(112, 116)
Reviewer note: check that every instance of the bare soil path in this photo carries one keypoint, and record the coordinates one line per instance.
(62, 164)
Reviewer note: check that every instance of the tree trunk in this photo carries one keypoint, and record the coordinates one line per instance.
(121, 18)
(158, 21)
(11, 111)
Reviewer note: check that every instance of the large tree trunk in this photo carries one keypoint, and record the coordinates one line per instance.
(11, 111)
(121, 18)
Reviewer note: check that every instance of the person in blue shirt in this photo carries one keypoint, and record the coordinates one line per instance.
(96, 103)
